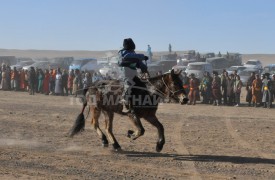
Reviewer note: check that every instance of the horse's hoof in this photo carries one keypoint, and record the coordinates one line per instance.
(105, 142)
(116, 146)
(159, 147)
(105, 145)
(130, 133)
(118, 150)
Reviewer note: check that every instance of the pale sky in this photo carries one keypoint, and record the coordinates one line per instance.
(245, 26)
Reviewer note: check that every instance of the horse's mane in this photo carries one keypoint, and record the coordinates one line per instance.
(158, 77)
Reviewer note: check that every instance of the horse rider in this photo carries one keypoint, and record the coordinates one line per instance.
(130, 61)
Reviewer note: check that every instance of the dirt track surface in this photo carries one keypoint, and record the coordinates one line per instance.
(202, 142)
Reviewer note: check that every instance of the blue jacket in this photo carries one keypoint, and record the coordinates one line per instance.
(132, 60)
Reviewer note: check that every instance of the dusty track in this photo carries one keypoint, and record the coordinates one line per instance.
(202, 142)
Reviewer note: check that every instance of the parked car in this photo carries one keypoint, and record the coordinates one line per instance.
(161, 66)
(91, 66)
(61, 62)
(21, 64)
(246, 73)
(269, 69)
(79, 63)
(39, 64)
(254, 63)
(218, 63)
(231, 69)
(198, 68)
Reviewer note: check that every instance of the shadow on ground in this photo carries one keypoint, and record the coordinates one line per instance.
(202, 158)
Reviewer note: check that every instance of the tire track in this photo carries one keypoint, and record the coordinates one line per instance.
(242, 142)
(181, 149)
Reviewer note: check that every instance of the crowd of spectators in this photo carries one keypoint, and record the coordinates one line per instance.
(48, 82)
(217, 89)
(226, 89)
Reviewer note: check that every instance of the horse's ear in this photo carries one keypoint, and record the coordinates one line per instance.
(175, 72)
(172, 72)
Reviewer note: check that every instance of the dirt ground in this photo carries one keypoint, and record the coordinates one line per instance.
(202, 142)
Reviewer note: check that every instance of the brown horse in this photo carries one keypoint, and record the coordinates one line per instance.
(104, 97)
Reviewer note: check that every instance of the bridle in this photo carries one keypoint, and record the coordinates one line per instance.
(171, 92)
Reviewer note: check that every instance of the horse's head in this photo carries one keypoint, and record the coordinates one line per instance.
(174, 87)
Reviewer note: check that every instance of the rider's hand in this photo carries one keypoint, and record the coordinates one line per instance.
(146, 58)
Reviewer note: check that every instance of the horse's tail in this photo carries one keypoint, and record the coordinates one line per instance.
(79, 123)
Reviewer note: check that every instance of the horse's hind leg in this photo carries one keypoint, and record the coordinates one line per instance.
(95, 116)
(137, 123)
(155, 122)
(109, 116)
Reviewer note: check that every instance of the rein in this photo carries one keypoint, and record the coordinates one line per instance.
(159, 91)
(173, 92)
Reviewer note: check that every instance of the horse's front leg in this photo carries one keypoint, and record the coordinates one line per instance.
(95, 116)
(155, 122)
(109, 116)
(139, 128)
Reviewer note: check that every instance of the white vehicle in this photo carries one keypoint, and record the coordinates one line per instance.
(254, 63)
(111, 70)
(198, 68)
(79, 63)
(91, 66)
(21, 64)
(235, 68)
(39, 64)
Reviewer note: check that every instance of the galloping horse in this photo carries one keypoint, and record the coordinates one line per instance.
(104, 96)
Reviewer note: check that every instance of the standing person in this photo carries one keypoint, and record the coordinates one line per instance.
(216, 89)
(58, 90)
(14, 79)
(205, 88)
(230, 89)
(8, 77)
(237, 90)
(170, 48)
(46, 82)
(87, 80)
(95, 77)
(32, 79)
(272, 91)
(149, 54)
(257, 91)
(70, 82)
(266, 91)
(130, 61)
(27, 80)
(40, 81)
(22, 80)
(0, 76)
(194, 90)
(4, 82)
(249, 88)
(76, 82)
(65, 82)
(185, 81)
(52, 81)
(37, 80)
(224, 78)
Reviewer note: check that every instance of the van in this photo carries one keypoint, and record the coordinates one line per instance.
(218, 63)
(80, 63)
(198, 68)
